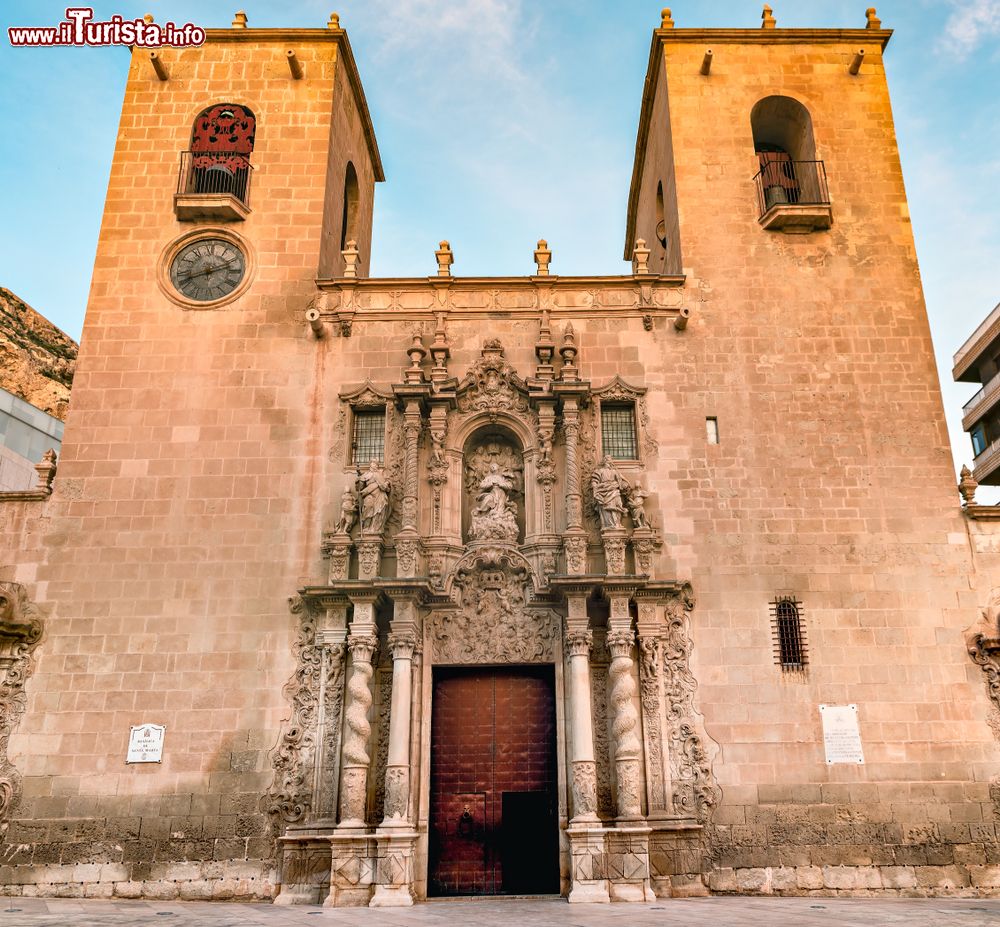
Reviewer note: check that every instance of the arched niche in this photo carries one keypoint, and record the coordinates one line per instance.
(352, 197)
(493, 486)
(783, 124)
(222, 139)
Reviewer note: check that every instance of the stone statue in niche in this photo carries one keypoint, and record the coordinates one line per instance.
(608, 486)
(494, 483)
(495, 516)
(348, 510)
(373, 489)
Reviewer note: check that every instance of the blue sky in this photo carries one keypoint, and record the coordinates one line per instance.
(502, 121)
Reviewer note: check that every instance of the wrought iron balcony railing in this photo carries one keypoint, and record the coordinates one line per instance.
(222, 172)
(791, 183)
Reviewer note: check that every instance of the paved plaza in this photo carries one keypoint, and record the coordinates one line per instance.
(718, 912)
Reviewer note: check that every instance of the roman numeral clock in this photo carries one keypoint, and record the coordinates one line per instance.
(208, 269)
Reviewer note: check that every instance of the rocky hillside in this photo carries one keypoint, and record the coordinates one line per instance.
(37, 360)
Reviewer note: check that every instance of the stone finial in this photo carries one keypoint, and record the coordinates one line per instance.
(542, 258)
(545, 349)
(334, 21)
(767, 19)
(873, 21)
(665, 21)
(350, 254)
(240, 20)
(46, 470)
(568, 351)
(440, 352)
(967, 486)
(640, 257)
(445, 259)
(148, 18)
(416, 352)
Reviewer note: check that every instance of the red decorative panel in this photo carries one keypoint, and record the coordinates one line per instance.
(225, 129)
(493, 782)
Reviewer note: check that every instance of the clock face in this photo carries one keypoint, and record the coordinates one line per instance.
(208, 269)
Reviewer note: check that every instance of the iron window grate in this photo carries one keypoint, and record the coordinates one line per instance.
(790, 650)
(369, 437)
(618, 431)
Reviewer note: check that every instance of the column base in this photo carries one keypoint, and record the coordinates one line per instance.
(394, 867)
(352, 870)
(628, 863)
(588, 864)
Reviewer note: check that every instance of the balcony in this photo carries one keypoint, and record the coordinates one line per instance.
(986, 465)
(214, 186)
(980, 403)
(792, 196)
(965, 359)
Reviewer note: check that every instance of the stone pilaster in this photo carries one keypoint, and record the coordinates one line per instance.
(651, 697)
(575, 538)
(408, 538)
(355, 759)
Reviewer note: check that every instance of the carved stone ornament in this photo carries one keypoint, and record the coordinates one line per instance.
(492, 623)
(983, 643)
(650, 664)
(584, 788)
(397, 792)
(576, 554)
(695, 792)
(608, 488)
(20, 632)
(492, 385)
(578, 642)
(291, 794)
(494, 517)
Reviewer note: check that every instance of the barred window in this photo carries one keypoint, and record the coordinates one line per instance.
(789, 634)
(369, 437)
(618, 431)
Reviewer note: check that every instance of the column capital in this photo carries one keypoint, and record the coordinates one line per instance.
(402, 644)
(620, 641)
(362, 646)
(579, 641)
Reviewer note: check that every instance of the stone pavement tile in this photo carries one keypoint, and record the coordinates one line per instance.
(701, 912)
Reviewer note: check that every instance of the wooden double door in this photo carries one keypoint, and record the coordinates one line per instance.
(493, 810)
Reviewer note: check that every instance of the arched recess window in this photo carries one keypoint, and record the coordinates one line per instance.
(221, 144)
(786, 152)
(661, 225)
(349, 225)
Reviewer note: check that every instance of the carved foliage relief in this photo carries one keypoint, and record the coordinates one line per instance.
(20, 632)
(291, 794)
(492, 623)
(694, 788)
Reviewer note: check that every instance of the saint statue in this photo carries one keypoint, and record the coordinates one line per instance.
(373, 488)
(635, 497)
(607, 484)
(495, 515)
(348, 511)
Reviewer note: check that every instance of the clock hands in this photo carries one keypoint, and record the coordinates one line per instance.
(207, 270)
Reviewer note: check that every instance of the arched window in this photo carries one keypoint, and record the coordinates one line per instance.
(786, 152)
(221, 144)
(349, 225)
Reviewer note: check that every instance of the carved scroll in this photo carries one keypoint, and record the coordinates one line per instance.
(20, 632)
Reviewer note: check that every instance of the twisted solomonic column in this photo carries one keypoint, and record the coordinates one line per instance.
(357, 731)
(624, 728)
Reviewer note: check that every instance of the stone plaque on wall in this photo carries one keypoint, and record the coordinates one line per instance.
(145, 744)
(841, 736)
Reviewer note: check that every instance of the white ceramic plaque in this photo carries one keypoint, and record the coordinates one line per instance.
(145, 744)
(841, 737)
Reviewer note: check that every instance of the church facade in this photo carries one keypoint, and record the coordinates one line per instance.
(620, 587)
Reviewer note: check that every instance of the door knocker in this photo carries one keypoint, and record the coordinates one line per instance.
(465, 823)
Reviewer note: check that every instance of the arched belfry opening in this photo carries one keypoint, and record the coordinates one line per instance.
(786, 150)
(222, 140)
(352, 196)
(493, 487)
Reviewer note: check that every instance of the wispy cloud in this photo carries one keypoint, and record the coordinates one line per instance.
(970, 23)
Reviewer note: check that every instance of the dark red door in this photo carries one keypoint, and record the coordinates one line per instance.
(493, 826)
